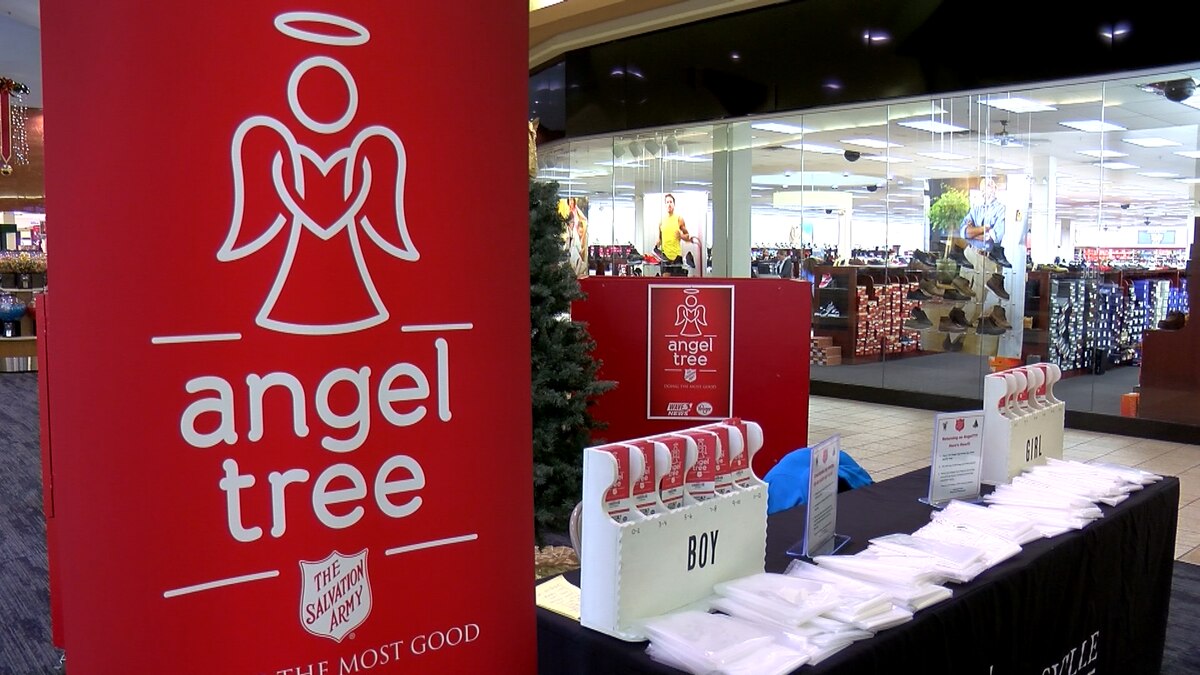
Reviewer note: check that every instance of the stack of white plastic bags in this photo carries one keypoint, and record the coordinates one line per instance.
(775, 623)
(1063, 495)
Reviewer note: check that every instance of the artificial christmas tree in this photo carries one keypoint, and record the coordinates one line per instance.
(564, 372)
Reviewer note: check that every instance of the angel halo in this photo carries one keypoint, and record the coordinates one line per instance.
(286, 23)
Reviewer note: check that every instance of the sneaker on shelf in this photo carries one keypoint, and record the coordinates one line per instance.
(918, 320)
(919, 295)
(952, 345)
(996, 255)
(987, 326)
(946, 325)
(959, 317)
(651, 259)
(919, 266)
(826, 280)
(995, 284)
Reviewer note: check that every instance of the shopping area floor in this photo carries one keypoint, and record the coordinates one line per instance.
(888, 441)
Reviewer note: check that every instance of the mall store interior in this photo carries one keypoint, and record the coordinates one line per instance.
(1096, 177)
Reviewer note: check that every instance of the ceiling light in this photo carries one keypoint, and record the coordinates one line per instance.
(1103, 154)
(813, 147)
(947, 168)
(779, 128)
(944, 156)
(1151, 142)
(693, 182)
(1004, 166)
(1158, 174)
(890, 159)
(1093, 126)
(932, 126)
(1190, 154)
(1188, 181)
(1116, 166)
(1016, 104)
(871, 143)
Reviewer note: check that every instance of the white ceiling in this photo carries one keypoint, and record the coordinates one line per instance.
(1087, 192)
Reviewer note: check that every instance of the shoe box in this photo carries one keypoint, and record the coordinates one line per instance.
(823, 352)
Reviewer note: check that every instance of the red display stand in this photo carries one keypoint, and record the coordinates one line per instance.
(770, 339)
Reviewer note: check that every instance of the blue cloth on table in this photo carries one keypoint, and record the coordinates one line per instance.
(787, 481)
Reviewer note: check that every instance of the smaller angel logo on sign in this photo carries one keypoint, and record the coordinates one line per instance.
(690, 315)
(335, 595)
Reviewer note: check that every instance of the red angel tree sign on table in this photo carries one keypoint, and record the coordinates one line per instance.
(308, 412)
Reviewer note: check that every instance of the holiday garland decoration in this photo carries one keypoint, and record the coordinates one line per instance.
(14, 144)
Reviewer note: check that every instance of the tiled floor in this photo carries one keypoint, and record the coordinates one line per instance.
(888, 441)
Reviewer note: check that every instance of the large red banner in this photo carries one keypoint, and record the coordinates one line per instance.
(274, 419)
(689, 352)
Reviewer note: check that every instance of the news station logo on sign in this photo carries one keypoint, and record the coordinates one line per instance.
(690, 352)
(311, 410)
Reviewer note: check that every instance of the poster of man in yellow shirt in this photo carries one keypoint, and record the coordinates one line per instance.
(682, 250)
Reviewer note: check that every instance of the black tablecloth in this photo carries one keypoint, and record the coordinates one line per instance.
(1089, 601)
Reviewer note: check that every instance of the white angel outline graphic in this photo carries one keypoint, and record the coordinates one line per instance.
(355, 163)
(691, 315)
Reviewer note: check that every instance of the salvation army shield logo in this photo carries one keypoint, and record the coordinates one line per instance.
(960, 424)
(335, 596)
(689, 374)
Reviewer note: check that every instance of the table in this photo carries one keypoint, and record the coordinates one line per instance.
(1089, 601)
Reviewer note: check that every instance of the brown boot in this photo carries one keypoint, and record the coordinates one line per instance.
(963, 285)
(946, 325)
(995, 284)
(959, 317)
(1000, 318)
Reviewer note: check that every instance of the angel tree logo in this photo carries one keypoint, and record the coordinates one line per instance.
(336, 594)
(347, 171)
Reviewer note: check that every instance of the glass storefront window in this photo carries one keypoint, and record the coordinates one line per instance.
(947, 237)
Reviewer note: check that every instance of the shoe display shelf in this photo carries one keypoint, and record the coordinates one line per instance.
(863, 310)
(613, 259)
(18, 343)
(1036, 336)
(961, 299)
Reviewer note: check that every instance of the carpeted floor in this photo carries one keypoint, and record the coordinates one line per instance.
(25, 646)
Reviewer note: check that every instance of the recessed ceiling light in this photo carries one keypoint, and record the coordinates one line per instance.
(947, 168)
(932, 126)
(1190, 154)
(890, 159)
(1016, 104)
(693, 182)
(1151, 142)
(871, 143)
(944, 156)
(779, 128)
(1116, 166)
(1092, 126)
(1003, 166)
(1189, 181)
(1103, 154)
(813, 147)
(1158, 174)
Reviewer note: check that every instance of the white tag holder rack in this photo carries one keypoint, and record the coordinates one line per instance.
(1023, 421)
(656, 564)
